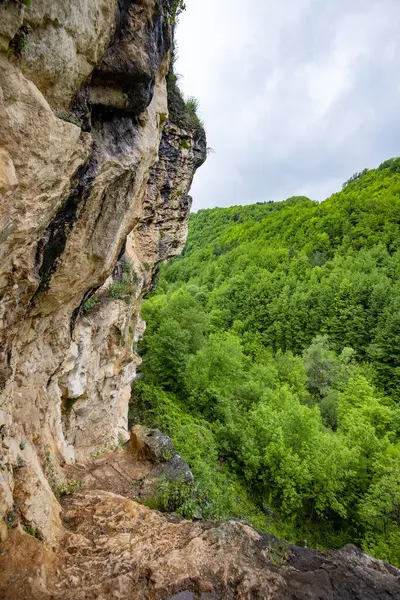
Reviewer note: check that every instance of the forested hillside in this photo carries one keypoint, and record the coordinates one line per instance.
(272, 358)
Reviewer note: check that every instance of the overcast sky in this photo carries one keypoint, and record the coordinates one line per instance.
(296, 95)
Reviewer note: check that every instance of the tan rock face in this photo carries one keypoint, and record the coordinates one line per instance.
(113, 547)
(85, 152)
(67, 40)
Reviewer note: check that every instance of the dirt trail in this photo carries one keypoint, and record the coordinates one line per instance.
(118, 472)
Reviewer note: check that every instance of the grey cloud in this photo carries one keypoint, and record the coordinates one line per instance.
(296, 95)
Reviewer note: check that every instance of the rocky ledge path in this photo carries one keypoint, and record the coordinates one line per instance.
(112, 547)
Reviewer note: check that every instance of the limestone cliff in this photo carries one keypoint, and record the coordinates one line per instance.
(94, 180)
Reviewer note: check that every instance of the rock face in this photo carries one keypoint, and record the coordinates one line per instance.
(115, 548)
(94, 184)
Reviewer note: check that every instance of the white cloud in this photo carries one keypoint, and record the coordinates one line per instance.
(296, 94)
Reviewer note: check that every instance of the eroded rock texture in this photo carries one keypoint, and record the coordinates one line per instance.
(113, 547)
(94, 184)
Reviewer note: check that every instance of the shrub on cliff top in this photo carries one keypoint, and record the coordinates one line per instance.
(172, 9)
(182, 113)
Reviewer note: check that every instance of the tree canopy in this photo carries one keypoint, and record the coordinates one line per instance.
(272, 358)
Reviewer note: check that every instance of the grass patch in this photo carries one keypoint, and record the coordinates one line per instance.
(126, 287)
(183, 113)
(70, 118)
(32, 531)
(184, 144)
(174, 496)
(90, 304)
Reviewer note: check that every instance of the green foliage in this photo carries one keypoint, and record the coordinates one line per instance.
(184, 144)
(19, 44)
(172, 10)
(109, 448)
(277, 551)
(355, 177)
(70, 118)
(163, 118)
(27, 3)
(125, 288)
(321, 366)
(191, 109)
(50, 471)
(10, 517)
(183, 113)
(32, 530)
(70, 486)
(271, 358)
(69, 403)
(219, 492)
(60, 488)
(90, 304)
(173, 496)
(120, 290)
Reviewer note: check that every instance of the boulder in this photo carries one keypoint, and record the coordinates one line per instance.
(150, 444)
(170, 482)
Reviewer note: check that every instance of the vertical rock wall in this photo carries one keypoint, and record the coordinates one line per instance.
(93, 194)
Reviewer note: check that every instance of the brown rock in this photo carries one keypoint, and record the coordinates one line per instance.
(114, 547)
(150, 444)
(3, 532)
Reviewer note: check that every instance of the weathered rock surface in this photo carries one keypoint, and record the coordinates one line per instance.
(93, 177)
(115, 548)
(151, 445)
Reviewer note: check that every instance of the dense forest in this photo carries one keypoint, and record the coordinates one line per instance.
(272, 359)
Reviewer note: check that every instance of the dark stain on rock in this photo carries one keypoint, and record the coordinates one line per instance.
(118, 70)
(52, 244)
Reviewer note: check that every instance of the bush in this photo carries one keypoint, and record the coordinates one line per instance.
(173, 495)
(90, 304)
(19, 43)
(172, 10)
(181, 113)
(126, 288)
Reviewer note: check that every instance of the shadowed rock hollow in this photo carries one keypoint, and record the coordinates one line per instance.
(94, 182)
